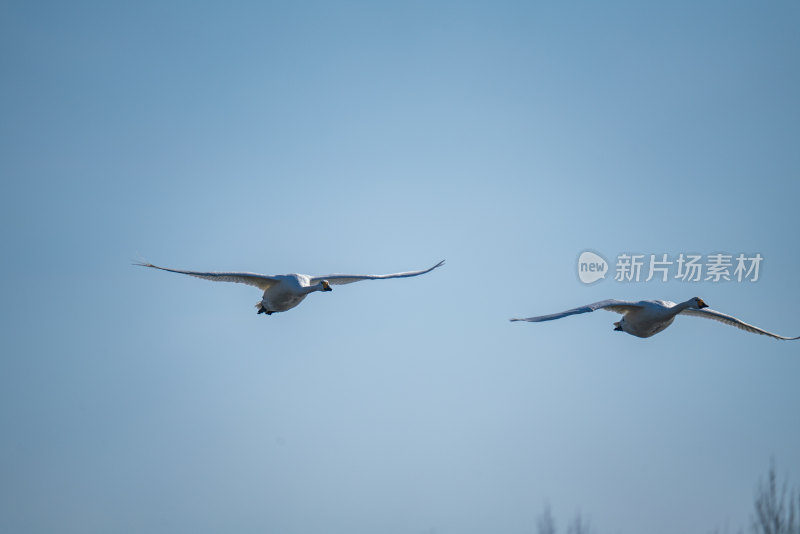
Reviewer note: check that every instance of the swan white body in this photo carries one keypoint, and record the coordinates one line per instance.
(649, 317)
(284, 292)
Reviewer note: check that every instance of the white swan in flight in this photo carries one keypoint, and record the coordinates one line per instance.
(649, 317)
(284, 292)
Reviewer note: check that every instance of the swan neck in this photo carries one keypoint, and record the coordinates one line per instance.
(315, 287)
(684, 305)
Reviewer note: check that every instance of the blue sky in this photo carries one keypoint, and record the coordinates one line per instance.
(506, 137)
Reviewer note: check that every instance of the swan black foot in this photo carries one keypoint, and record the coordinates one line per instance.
(262, 309)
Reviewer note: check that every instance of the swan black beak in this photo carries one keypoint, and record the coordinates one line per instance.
(702, 305)
(326, 286)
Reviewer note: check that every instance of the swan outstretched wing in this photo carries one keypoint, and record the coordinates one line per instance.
(618, 306)
(252, 279)
(733, 321)
(340, 279)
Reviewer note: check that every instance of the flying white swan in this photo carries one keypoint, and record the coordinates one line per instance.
(649, 317)
(284, 292)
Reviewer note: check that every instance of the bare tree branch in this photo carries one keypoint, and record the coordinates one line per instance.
(774, 512)
(545, 524)
(579, 525)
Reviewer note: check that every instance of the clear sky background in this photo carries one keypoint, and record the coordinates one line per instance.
(364, 137)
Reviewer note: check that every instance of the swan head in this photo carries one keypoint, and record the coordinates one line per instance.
(326, 286)
(700, 303)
